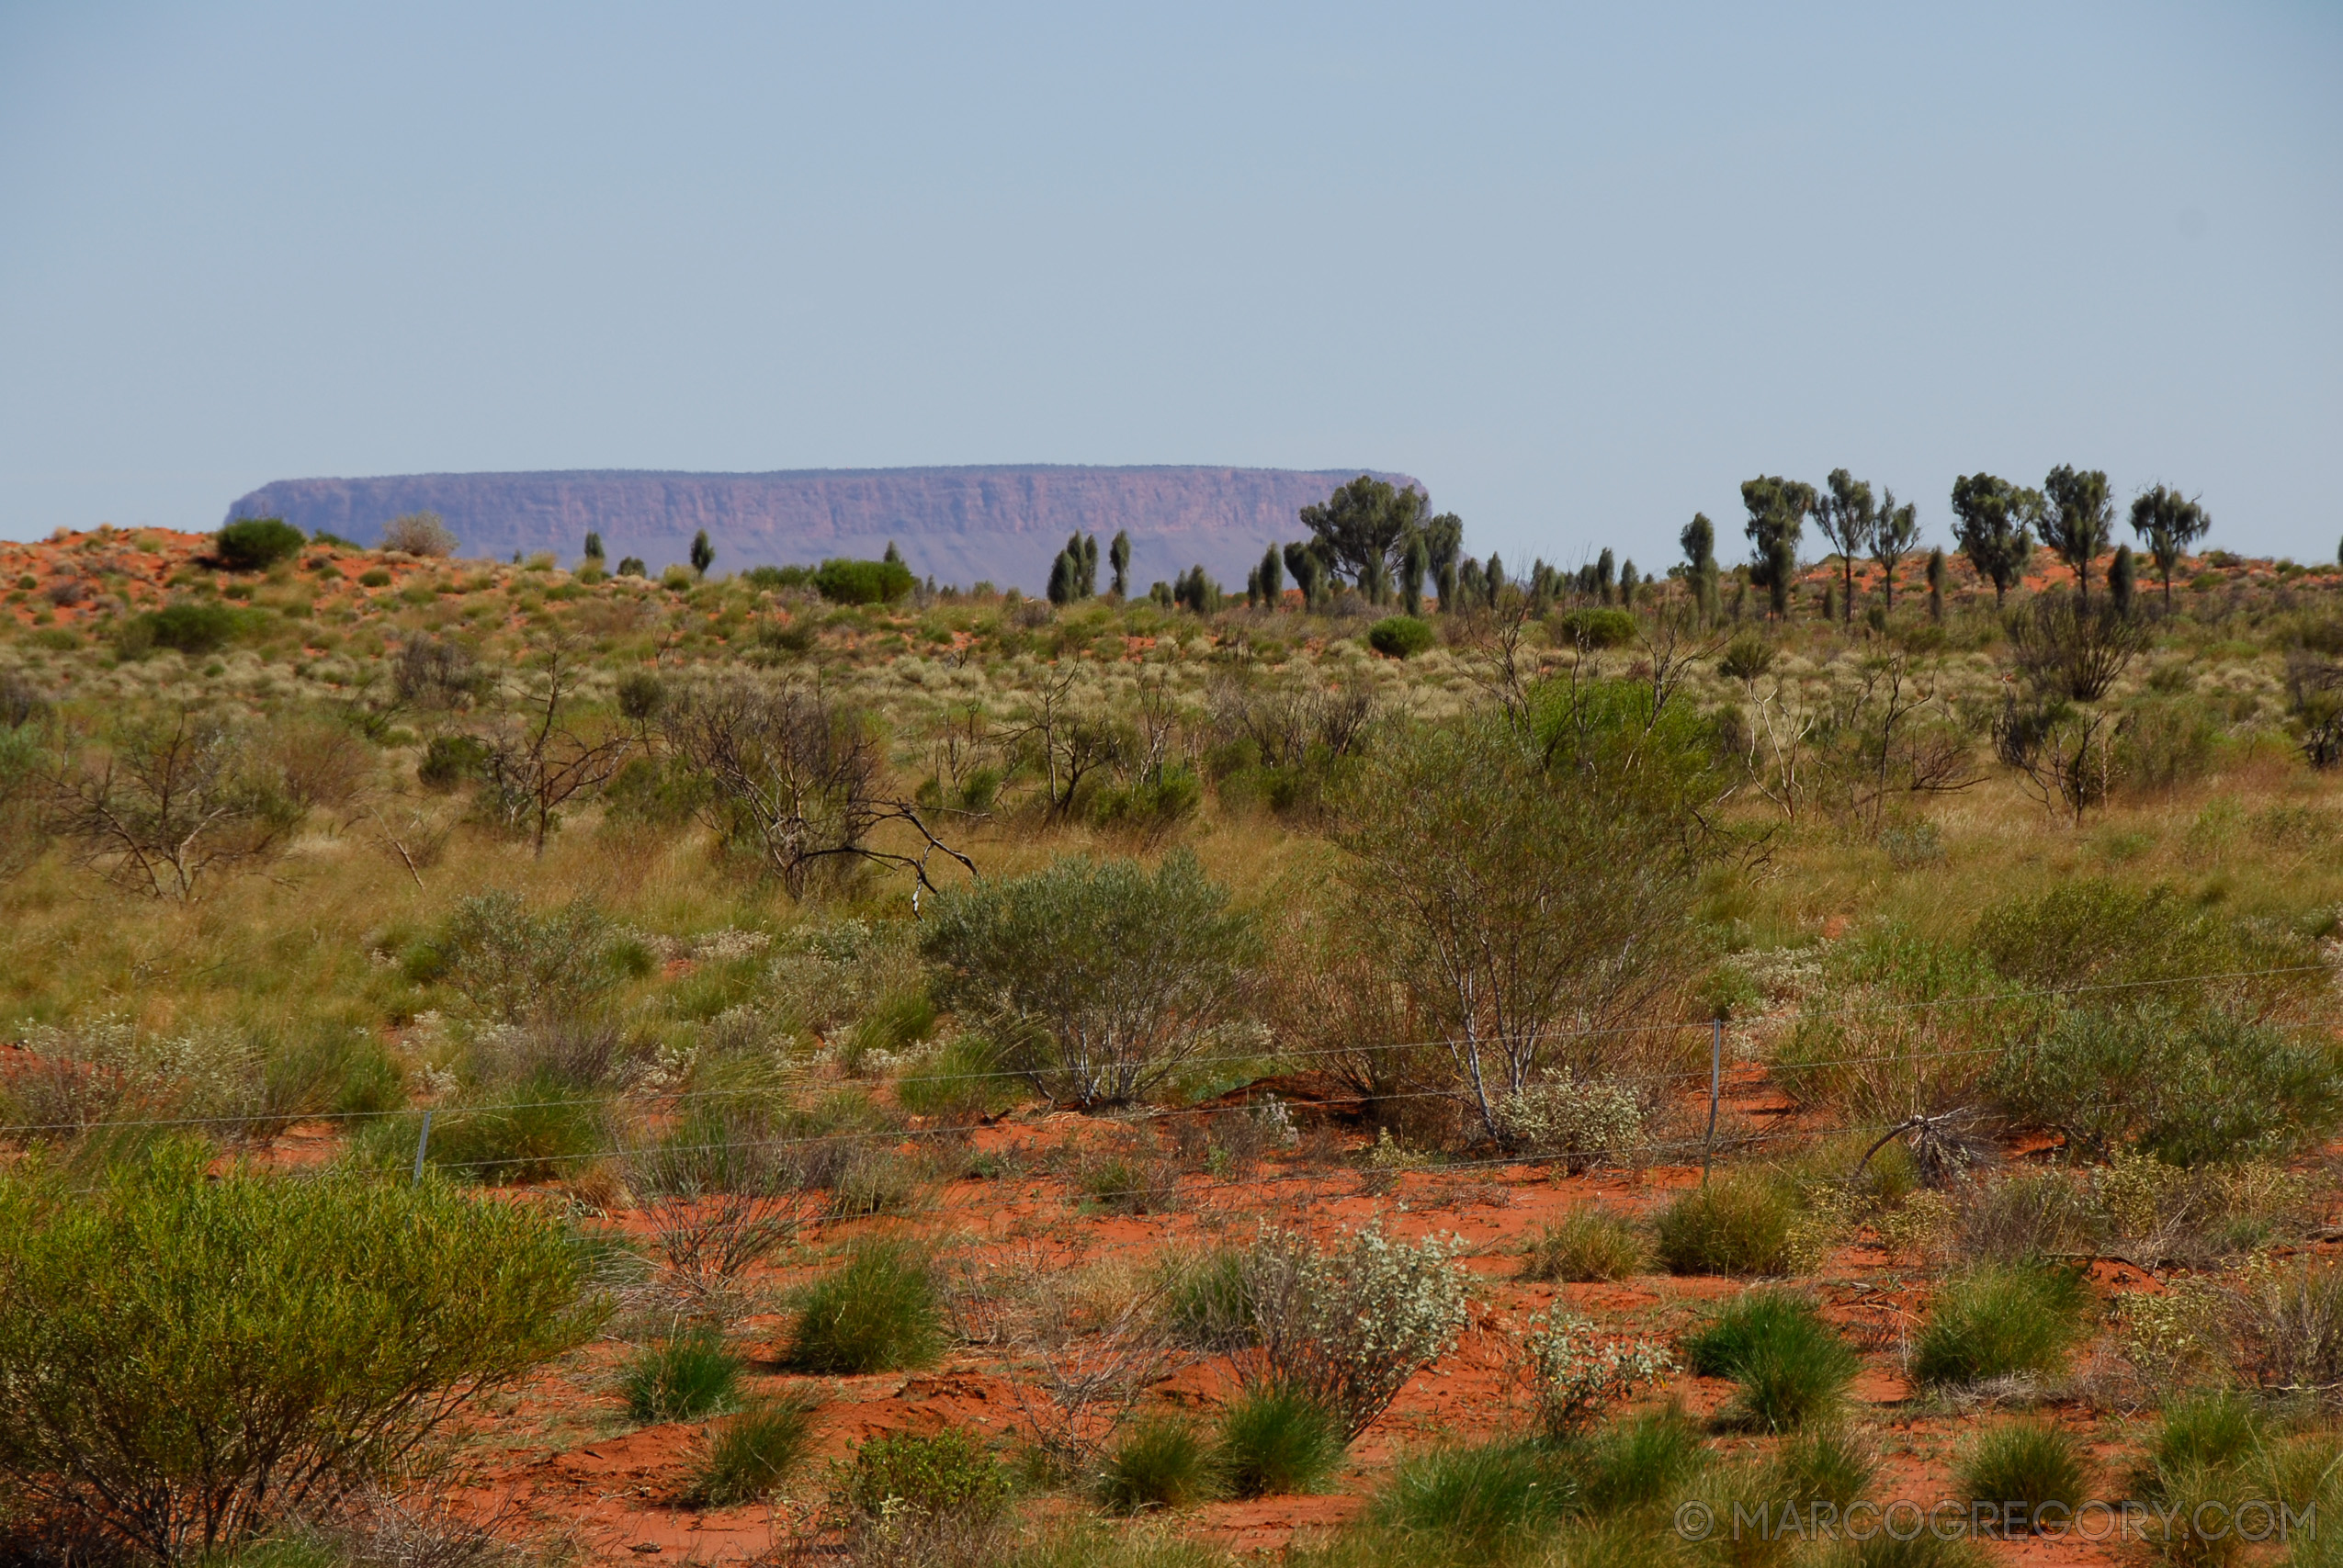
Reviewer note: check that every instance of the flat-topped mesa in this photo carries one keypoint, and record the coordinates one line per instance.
(957, 524)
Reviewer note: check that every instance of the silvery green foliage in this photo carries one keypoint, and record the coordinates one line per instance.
(105, 1068)
(1582, 1120)
(1350, 1324)
(1573, 1376)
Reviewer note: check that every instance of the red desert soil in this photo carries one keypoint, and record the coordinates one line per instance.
(562, 1458)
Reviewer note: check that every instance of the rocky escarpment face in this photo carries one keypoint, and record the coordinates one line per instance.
(959, 524)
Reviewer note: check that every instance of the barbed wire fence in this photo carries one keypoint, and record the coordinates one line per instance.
(1662, 1089)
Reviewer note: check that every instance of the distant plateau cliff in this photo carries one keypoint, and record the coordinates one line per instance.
(959, 524)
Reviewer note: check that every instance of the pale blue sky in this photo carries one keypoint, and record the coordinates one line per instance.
(1582, 270)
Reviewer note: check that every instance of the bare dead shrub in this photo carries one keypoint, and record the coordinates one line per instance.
(321, 765)
(419, 534)
(794, 778)
(172, 802)
(434, 672)
(2285, 1323)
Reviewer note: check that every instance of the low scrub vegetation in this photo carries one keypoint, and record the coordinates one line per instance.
(1791, 1367)
(1109, 1006)
(186, 1360)
(876, 1312)
(2001, 1321)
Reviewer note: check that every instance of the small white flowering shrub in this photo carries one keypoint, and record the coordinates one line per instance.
(1572, 1375)
(1582, 1120)
(1350, 1324)
(106, 1067)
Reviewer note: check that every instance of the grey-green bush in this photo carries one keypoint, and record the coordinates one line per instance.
(2187, 1086)
(1105, 975)
(901, 1473)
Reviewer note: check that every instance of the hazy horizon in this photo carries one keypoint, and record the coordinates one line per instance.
(1582, 272)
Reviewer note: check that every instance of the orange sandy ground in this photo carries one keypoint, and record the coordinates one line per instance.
(559, 1458)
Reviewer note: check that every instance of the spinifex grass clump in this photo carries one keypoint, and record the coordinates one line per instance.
(1629, 1463)
(1831, 1464)
(877, 1312)
(1160, 1462)
(185, 1357)
(1478, 1501)
(1275, 1441)
(1589, 1243)
(1792, 1367)
(1206, 1306)
(752, 1453)
(1736, 1224)
(688, 1375)
(2002, 1321)
(2024, 1467)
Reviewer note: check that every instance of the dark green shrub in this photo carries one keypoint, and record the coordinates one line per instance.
(770, 577)
(188, 628)
(1160, 1462)
(1400, 637)
(658, 792)
(186, 1357)
(1792, 1367)
(752, 1453)
(1149, 804)
(863, 581)
(1275, 1440)
(2183, 1085)
(875, 1313)
(451, 760)
(1589, 1243)
(374, 577)
(685, 1375)
(255, 544)
(2028, 1465)
(944, 1473)
(2089, 932)
(1626, 1464)
(1476, 1502)
(1736, 1224)
(2002, 1321)
(1595, 628)
(1747, 658)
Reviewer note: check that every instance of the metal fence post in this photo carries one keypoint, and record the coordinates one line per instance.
(423, 1140)
(1715, 1078)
